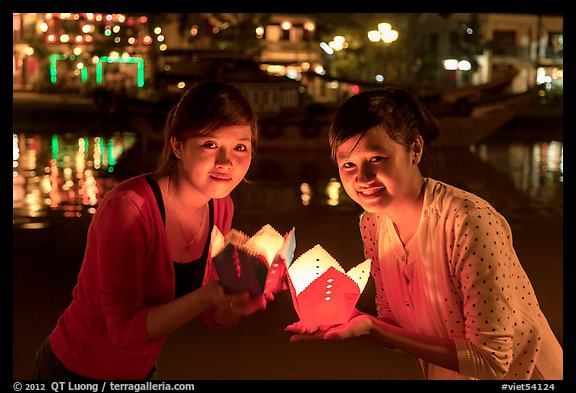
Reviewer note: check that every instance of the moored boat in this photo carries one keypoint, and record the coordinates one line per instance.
(483, 119)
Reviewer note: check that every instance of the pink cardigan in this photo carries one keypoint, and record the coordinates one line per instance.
(102, 333)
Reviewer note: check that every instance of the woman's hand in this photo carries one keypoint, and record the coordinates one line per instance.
(301, 328)
(230, 307)
(359, 325)
(209, 301)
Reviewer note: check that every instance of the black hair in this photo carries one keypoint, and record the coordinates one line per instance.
(206, 107)
(396, 109)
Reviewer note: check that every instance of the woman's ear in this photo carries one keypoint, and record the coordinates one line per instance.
(417, 150)
(177, 147)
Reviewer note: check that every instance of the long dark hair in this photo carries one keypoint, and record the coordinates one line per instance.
(204, 108)
(396, 109)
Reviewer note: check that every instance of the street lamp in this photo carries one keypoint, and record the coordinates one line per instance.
(385, 33)
(338, 43)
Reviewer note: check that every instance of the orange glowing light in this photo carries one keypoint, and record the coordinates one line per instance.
(255, 264)
(322, 292)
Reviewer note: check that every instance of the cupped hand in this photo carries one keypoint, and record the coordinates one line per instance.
(307, 328)
(254, 304)
(303, 329)
(214, 293)
(357, 326)
(229, 309)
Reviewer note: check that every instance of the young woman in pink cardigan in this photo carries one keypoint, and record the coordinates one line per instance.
(450, 289)
(146, 270)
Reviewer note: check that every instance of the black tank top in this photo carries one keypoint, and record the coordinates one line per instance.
(188, 275)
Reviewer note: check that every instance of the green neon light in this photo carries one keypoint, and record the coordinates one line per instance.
(55, 148)
(130, 60)
(99, 72)
(111, 158)
(101, 151)
(54, 58)
(54, 71)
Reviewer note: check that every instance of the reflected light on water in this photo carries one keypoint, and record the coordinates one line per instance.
(534, 168)
(97, 153)
(68, 175)
(15, 150)
(333, 192)
(63, 173)
(54, 199)
(555, 157)
(306, 193)
(529, 165)
(33, 225)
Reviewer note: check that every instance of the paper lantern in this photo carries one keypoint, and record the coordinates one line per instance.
(255, 264)
(322, 292)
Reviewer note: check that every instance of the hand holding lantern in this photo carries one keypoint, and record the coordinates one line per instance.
(255, 264)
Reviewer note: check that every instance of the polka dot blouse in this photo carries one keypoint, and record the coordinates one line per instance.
(459, 277)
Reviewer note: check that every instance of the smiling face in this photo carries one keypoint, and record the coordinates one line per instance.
(378, 173)
(216, 163)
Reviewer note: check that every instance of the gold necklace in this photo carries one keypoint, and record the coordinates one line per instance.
(189, 242)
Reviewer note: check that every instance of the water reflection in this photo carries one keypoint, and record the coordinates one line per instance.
(333, 191)
(306, 191)
(69, 174)
(535, 169)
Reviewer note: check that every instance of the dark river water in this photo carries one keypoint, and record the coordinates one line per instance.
(60, 178)
(67, 175)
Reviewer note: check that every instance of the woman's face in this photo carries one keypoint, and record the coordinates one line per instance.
(215, 164)
(376, 172)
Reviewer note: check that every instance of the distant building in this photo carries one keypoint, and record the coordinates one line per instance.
(531, 44)
(129, 52)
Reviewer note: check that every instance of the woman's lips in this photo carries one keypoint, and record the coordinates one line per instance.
(370, 193)
(221, 177)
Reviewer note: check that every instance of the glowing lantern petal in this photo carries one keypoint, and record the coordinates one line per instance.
(322, 292)
(309, 266)
(266, 242)
(257, 264)
(360, 274)
(217, 241)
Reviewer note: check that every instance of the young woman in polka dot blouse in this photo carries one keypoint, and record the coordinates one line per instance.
(450, 289)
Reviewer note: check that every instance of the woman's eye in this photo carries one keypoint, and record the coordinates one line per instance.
(209, 145)
(241, 148)
(348, 165)
(376, 159)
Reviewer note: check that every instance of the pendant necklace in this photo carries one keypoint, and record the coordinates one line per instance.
(189, 242)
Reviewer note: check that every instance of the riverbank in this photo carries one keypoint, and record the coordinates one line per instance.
(34, 112)
(39, 113)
